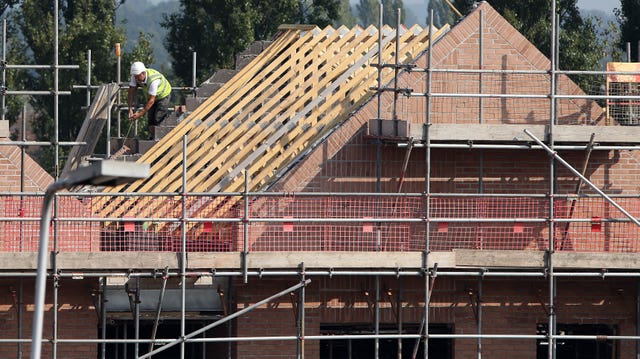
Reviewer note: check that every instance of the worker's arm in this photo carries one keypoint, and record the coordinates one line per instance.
(131, 96)
(147, 107)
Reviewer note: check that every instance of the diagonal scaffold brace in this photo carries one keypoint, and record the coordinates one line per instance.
(226, 319)
(557, 157)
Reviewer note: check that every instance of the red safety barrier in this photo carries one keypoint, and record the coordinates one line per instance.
(324, 223)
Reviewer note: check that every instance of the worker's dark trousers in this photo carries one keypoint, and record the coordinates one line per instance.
(159, 111)
(156, 115)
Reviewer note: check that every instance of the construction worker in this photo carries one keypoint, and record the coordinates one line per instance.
(158, 91)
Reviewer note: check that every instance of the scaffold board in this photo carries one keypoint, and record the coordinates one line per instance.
(92, 126)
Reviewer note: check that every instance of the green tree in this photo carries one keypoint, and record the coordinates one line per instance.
(319, 12)
(6, 5)
(345, 15)
(442, 13)
(84, 25)
(15, 79)
(368, 12)
(629, 17)
(219, 29)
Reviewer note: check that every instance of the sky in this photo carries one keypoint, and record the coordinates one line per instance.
(604, 5)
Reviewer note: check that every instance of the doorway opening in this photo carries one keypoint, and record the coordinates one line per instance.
(167, 329)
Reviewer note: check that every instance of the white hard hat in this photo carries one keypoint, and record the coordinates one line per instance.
(137, 68)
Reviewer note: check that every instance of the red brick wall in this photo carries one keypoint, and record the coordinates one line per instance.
(353, 168)
(36, 179)
(76, 318)
(345, 162)
(23, 236)
(510, 306)
(72, 236)
(273, 319)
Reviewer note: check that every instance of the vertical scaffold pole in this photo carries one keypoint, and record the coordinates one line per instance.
(136, 305)
(399, 315)
(194, 84)
(183, 255)
(103, 317)
(480, 171)
(552, 120)
(396, 67)
(118, 79)
(301, 312)
(88, 88)
(479, 308)
(427, 189)
(481, 101)
(378, 175)
(4, 69)
(20, 314)
(56, 73)
(245, 230)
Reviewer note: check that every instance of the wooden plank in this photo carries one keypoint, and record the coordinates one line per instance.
(297, 103)
(172, 143)
(604, 134)
(480, 132)
(314, 99)
(92, 126)
(458, 258)
(265, 167)
(515, 133)
(237, 150)
(216, 131)
(202, 132)
(235, 137)
(289, 149)
(239, 142)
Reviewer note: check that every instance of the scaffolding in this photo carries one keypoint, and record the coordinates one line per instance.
(413, 229)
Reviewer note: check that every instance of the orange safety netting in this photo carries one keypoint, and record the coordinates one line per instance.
(326, 223)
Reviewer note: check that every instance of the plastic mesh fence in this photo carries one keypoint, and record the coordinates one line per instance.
(20, 226)
(325, 223)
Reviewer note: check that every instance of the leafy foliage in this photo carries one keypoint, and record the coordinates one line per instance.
(6, 5)
(142, 16)
(345, 15)
(442, 13)
(219, 29)
(84, 25)
(629, 17)
(369, 12)
(16, 53)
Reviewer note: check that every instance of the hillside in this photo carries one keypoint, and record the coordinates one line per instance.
(146, 16)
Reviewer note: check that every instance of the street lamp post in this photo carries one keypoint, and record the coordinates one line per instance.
(99, 173)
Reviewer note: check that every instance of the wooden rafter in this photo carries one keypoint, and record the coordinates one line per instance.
(300, 87)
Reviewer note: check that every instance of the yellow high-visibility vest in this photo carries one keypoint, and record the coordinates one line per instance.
(164, 89)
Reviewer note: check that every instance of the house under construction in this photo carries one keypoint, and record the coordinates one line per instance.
(350, 193)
